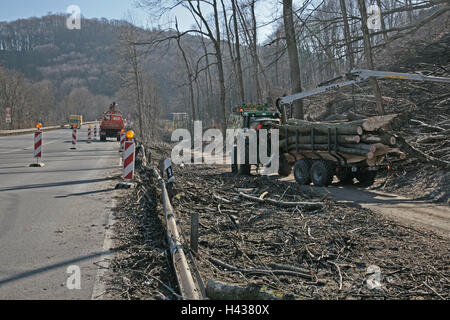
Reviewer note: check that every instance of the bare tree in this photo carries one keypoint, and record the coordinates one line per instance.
(291, 43)
(369, 56)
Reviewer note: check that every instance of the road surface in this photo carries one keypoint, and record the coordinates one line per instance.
(54, 217)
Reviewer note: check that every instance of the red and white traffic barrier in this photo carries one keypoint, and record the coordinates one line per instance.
(89, 135)
(122, 141)
(95, 132)
(38, 146)
(74, 139)
(128, 161)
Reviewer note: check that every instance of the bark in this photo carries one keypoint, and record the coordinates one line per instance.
(294, 65)
(190, 76)
(322, 128)
(342, 139)
(390, 140)
(347, 35)
(217, 290)
(216, 40)
(240, 81)
(369, 56)
(138, 89)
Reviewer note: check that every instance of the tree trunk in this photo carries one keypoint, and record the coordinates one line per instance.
(369, 56)
(190, 79)
(241, 92)
(294, 65)
(347, 35)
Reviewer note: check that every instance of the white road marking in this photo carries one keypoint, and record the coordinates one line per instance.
(103, 266)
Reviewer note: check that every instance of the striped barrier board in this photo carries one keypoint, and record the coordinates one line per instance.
(74, 139)
(89, 135)
(122, 141)
(128, 161)
(38, 144)
(37, 149)
(95, 131)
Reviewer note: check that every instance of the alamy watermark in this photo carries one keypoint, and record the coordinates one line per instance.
(74, 280)
(242, 146)
(73, 22)
(374, 279)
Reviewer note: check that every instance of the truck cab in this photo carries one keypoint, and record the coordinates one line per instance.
(112, 124)
(76, 120)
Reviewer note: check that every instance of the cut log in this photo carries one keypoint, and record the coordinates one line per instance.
(217, 290)
(362, 146)
(385, 139)
(322, 128)
(322, 139)
(374, 123)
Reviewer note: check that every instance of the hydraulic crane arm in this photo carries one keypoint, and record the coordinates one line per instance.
(356, 76)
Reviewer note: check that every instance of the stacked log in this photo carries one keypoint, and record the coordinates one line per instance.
(359, 140)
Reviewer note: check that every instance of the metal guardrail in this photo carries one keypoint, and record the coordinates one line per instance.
(189, 290)
(4, 133)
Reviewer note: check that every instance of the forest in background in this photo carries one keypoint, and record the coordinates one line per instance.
(48, 72)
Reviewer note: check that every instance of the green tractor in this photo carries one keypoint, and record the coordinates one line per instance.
(247, 117)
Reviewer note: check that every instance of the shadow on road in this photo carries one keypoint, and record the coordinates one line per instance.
(54, 171)
(85, 193)
(55, 184)
(31, 273)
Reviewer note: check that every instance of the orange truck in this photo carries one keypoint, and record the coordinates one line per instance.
(112, 123)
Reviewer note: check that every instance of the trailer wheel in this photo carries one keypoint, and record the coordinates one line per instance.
(366, 177)
(302, 171)
(322, 173)
(102, 138)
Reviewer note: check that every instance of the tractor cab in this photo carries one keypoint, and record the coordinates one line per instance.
(250, 117)
(253, 116)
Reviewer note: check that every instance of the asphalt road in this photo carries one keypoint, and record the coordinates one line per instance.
(54, 217)
(410, 212)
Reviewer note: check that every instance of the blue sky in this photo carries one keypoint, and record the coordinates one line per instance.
(111, 9)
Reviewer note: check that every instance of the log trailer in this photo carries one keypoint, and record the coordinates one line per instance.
(318, 151)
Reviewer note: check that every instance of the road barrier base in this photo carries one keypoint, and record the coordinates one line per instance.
(124, 186)
(37, 165)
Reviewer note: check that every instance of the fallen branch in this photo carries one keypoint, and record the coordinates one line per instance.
(217, 290)
(262, 271)
(311, 205)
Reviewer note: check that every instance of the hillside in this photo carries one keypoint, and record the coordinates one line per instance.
(82, 66)
(45, 49)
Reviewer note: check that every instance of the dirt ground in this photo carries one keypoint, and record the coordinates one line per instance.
(339, 246)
